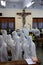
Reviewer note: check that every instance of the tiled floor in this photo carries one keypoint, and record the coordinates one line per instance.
(40, 54)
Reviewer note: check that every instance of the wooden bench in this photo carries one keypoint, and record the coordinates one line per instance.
(18, 62)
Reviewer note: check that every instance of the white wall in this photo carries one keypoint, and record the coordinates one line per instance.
(37, 13)
(18, 19)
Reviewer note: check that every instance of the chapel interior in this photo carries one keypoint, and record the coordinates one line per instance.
(21, 31)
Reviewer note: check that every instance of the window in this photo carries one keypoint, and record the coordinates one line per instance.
(4, 25)
(38, 22)
(11, 25)
(34, 24)
(7, 23)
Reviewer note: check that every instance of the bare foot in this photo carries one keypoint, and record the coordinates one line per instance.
(34, 59)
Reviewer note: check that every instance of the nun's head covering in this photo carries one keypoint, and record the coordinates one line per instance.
(4, 32)
(14, 34)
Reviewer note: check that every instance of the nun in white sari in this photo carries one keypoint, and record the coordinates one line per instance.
(28, 48)
(3, 50)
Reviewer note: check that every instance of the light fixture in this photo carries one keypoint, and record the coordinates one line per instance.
(3, 3)
(29, 4)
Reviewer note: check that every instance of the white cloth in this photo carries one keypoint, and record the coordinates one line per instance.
(4, 37)
(25, 31)
(11, 46)
(24, 44)
(9, 39)
(4, 32)
(33, 50)
(29, 61)
(3, 50)
(18, 49)
(18, 46)
(28, 47)
(15, 36)
(35, 31)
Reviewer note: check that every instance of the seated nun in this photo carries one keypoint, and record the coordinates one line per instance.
(18, 46)
(28, 48)
(14, 35)
(3, 50)
(11, 47)
(33, 48)
(18, 49)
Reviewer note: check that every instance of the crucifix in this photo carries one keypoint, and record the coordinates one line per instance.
(23, 14)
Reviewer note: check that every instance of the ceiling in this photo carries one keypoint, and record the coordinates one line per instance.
(20, 4)
(14, 0)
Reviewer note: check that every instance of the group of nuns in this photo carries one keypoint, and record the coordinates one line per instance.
(21, 46)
